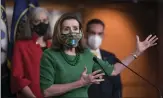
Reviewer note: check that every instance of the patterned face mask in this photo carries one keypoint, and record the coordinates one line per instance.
(71, 39)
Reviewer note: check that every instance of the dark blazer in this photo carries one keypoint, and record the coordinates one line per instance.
(111, 87)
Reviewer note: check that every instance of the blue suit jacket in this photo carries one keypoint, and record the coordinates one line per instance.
(111, 87)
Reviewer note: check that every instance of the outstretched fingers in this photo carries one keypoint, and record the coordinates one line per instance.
(147, 39)
(153, 38)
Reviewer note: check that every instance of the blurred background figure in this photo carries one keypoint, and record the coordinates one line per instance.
(4, 69)
(111, 87)
(4, 42)
(55, 14)
(25, 73)
(5, 72)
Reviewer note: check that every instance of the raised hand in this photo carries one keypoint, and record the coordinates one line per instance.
(148, 42)
(92, 78)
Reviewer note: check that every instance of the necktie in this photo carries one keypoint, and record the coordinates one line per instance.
(95, 53)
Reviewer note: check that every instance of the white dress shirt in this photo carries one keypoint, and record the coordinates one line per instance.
(97, 53)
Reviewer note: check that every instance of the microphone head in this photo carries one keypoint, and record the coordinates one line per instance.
(117, 60)
(95, 59)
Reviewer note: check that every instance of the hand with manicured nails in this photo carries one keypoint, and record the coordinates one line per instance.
(93, 78)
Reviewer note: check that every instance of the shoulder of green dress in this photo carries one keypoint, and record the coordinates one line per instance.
(50, 52)
(49, 55)
(86, 50)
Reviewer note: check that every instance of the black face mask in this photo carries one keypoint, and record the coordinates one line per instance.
(40, 29)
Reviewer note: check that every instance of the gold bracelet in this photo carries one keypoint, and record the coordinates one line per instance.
(135, 56)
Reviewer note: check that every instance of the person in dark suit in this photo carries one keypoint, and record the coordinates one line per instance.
(111, 87)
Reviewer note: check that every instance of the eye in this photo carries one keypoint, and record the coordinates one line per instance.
(100, 33)
(65, 30)
(76, 29)
(46, 21)
(36, 22)
(93, 33)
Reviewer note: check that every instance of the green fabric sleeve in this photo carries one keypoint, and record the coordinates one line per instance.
(104, 65)
(47, 71)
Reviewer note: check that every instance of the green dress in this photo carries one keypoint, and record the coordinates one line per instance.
(55, 70)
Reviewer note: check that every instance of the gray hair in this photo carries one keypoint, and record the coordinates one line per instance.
(34, 15)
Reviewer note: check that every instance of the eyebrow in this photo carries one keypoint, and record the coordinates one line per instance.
(95, 32)
(101, 32)
(76, 26)
(72, 26)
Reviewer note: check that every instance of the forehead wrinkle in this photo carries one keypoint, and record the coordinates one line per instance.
(70, 23)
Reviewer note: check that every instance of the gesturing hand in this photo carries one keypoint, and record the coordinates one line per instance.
(148, 42)
(92, 78)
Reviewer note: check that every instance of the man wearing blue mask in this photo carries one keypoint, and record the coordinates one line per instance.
(111, 87)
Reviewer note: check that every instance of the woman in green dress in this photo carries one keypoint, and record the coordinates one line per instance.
(67, 68)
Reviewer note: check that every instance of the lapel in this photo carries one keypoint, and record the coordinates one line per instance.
(104, 57)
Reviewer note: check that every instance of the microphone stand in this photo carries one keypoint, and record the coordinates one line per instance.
(159, 91)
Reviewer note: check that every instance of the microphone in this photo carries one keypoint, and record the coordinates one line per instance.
(158, 89)
(95, 60)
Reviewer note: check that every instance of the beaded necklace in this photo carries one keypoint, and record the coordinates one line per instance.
(73, 62)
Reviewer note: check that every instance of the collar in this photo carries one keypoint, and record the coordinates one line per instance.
(97, 53)
(36, 36)
(48, 43)
(97, 50)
